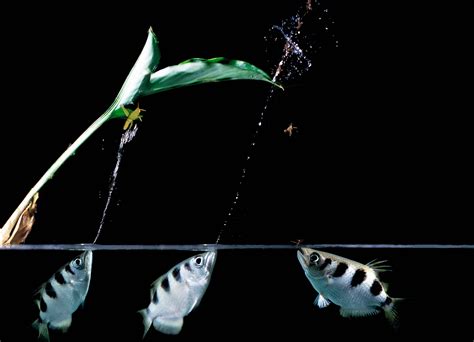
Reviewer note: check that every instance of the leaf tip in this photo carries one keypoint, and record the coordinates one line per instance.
(279, 86)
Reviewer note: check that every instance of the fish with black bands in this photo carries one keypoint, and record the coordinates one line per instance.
(59, 297)
(353, 286)
(176, 293)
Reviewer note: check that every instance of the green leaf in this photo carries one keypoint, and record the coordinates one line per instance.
(198, 71)
(141, 82)
(138, 79)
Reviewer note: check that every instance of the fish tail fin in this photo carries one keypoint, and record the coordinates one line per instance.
(391, 312)
(146, 320)
(42, 329)
(168, 326)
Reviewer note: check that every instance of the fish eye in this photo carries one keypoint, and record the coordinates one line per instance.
(314, 257)
(78, 262)
(198, 261)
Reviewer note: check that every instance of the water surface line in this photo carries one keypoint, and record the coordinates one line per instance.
(201, 247)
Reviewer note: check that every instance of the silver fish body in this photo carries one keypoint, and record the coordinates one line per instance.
(62, 294)
(176, 293)
(353, 286)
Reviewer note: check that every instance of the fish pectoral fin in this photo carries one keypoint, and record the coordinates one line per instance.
(321, 302)
(170, 326)
(348, 312)
(42, 330)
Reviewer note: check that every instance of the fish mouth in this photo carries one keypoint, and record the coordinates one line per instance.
(210, 260)
(303, 256)
(87, 257)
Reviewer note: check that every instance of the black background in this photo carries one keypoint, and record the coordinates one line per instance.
(380, 156)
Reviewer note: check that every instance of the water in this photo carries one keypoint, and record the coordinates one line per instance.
(252, 290)
(293, 62)
(127, 136)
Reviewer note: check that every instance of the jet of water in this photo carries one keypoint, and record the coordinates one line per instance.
(127, 136)
(293, 60)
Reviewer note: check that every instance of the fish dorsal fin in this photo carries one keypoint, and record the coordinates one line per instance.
(168, 326)
(379, 265)
(321, 302)
(146, 321)
(42, 330)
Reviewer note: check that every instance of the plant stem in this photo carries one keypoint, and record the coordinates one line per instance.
(8, 226)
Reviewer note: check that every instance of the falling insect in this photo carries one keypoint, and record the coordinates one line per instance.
(297, 242)
(62, 294)
(176, 293)
(351, 285)
(290, 129)
(131, 117)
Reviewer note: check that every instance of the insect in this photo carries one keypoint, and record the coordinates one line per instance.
(297, 242)
(131, 117)
(290, 129)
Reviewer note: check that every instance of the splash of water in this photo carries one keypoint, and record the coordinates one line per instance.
(293, 61)
(127, 136)
(302, 35)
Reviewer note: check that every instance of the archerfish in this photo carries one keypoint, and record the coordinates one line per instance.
(353, 286)
(176, 293)
(62, 294)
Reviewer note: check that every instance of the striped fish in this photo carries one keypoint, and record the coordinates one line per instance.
(176, 293)
(353, 286)
(61, 295)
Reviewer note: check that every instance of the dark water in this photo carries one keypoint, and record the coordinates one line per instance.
(253, 293)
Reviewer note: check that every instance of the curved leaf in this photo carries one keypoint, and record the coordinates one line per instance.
(140, 82)
(139, 77)
(198, 71)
